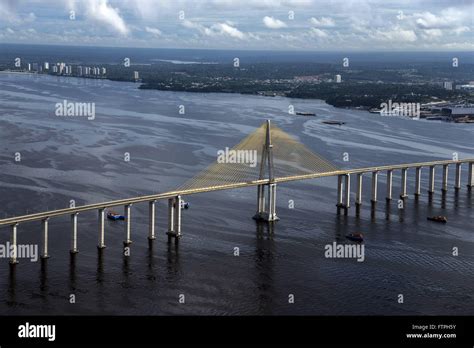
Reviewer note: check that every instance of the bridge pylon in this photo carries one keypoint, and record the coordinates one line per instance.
(267, 212)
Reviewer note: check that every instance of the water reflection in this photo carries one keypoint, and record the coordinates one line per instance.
(173, 266)
(44, 275)
(72, 271)
(150, 258)
(388, 210)
(456, 199)
(264, 261)
(430, 198)
(402, 206)
(12, 284)
(443, 199)
(100, 278)
(341, 224)
(373, 206)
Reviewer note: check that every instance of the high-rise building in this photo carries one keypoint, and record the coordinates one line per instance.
(338, 78)
(55, 69)
(29, 66)
(104, 71)
(61, 67)
(79, 70)
(448, 85)
(46, 66)
(136, 76)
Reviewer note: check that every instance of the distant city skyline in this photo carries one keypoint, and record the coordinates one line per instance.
(357, 25)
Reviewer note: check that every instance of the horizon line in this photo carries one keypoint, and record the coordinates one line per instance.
(241, 49)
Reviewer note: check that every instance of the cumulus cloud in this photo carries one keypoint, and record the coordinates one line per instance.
(197, 26)
(396, 34)
(6, 8)
(315, 32)
(224, 29)
(432, 34)
(447, 18)
(323, 22)
(461, 30)
(258, 4)
(273, 23)
(101, 11)
(154, 31)
(357, 25)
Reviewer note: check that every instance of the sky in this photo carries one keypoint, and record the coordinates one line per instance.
(310, 25)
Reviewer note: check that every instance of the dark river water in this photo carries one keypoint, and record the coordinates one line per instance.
(64, 158)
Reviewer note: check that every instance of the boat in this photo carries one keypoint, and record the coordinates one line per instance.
(375, 111)
(355, 237)
(438, 218)
(306, 113)
(111, 215)
(339, 123)
(184, 205)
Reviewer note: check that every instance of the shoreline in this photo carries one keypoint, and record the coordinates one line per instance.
(140, 84)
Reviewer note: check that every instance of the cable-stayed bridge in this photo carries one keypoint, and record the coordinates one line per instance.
(265, 158)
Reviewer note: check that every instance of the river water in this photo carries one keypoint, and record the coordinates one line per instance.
(73, 158)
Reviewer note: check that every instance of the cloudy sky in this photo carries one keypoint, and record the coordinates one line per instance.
(243, 24)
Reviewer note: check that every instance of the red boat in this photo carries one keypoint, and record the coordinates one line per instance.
(438, 218)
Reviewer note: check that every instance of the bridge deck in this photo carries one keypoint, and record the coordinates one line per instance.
(103, 205)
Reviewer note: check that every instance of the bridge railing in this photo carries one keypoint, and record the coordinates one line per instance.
(167, 195)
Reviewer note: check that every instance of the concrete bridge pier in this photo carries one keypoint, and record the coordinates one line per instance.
(44, 251)
(339, 191)
(128, 224)
(344, 196)
(347, 186)
(74, 249)
(177, 216)
(101, 244)
(170, 217)
(444, 186)
(272, 203)
(389, 184)
(431, 183)
(174, 218)
(375, 176)
(403, 194)
(418, 181)
(264, 214)
(151, 220)
(260, 202)
(470, 175)
(457, 179)
(14, 246)
(266, 210)
(359, 189)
